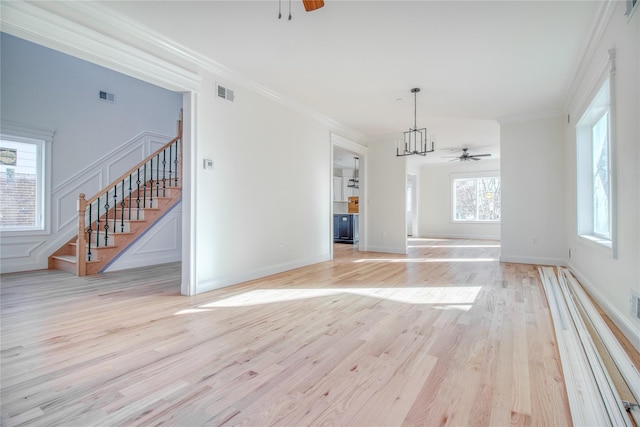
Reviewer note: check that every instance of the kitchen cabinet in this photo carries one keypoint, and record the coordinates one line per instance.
(338, 189)
(345, 228)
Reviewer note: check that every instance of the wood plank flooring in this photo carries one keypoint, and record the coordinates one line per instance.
(446, 335)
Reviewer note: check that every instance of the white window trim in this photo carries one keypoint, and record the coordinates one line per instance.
(35, 134)
(590, 237)
(469, 175)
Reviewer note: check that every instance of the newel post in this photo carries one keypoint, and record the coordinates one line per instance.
(81, 246)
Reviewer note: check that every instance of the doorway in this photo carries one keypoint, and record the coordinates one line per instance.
(348, 189)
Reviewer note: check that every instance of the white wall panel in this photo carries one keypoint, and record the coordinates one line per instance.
(258, 212)
(385, 199)
(531, 165)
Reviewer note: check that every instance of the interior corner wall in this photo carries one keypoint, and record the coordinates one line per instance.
(386, 198)
(265, 206)
(436, 202)
(45, 88)
(531, 165)
(612, 282)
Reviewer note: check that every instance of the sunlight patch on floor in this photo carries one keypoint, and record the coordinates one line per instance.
(410, 260)
(454, 246)
(445, 297)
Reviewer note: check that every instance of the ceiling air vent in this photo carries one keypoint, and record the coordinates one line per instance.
(225, 93)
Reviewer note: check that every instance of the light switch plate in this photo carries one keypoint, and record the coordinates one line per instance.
(207, 164)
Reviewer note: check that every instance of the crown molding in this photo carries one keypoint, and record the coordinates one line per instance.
(10, 127)
(131, 29)
(596, 32)
(347, 143)
(37, 25)
(519, 118)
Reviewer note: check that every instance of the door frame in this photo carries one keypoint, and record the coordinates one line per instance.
(336, 140)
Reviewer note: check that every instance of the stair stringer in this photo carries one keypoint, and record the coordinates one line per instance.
(131, 250)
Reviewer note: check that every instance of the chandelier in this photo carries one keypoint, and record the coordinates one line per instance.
(416, 141)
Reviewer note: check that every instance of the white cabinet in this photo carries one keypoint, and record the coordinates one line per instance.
(338, 192)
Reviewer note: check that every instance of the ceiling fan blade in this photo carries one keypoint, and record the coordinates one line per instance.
(480, 155)
(457, 159)
(473, 158)
(310, 5)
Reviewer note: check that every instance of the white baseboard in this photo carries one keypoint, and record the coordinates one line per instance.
(460, 236)
(619, 319)
(234, 279)
(533, 260)
(386, 250)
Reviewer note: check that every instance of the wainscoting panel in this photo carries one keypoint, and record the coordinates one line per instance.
(66, 210)
(18, 249)
(161, 244)
(124, 159)
(31, 252)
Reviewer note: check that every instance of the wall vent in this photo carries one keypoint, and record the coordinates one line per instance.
(225, 93)
(106, 96)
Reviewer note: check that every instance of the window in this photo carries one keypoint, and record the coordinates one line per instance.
(21, 184)
(476, 199)
(600, 177)
(594, 179)
(23, 178)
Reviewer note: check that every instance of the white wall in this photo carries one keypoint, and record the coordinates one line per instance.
(610, 280)
(386, 177)
(266, 206)
(94, 141)
(43, 87)
(435, 199)
(531, 165)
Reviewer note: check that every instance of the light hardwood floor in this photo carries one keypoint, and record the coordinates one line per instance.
(444, 336)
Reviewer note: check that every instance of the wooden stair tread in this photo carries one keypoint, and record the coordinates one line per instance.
(66, 258)
(71, 259)
(160, 204)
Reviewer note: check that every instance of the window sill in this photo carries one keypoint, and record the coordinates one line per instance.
(24, 233)
(598, 240)
(458, 221)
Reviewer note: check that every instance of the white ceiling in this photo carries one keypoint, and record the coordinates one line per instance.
(356, 61)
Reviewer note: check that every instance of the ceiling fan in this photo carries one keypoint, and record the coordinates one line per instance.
(465, 156)
(309, 5)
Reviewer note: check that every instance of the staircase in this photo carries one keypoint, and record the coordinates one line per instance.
(113, 219)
